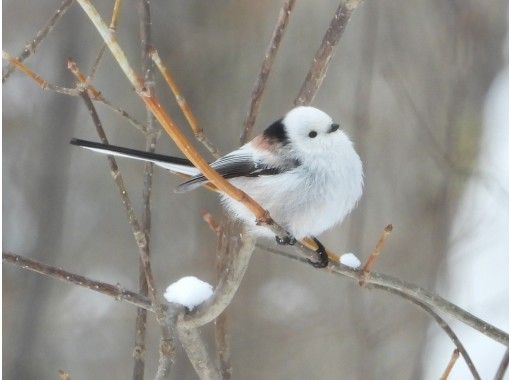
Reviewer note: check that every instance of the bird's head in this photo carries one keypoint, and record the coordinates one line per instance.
(311, 131)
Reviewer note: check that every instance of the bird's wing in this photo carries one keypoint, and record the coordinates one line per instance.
(242, 162)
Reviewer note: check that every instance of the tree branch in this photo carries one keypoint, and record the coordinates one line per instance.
(503, 366)
(441, 322)
(114, 291)
(41, 34)
(228, 285)
(265, 70)
(183, 105)
(430, 299)
(451, 363)
(320, 63)
(113, 27)
(150, 144)
(196, 350)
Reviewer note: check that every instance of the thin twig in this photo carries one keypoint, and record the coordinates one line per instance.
(223, 349)
(45, 85)
(451, 363)
(41, 34)
(138, 232)
(115, 291)
(265, 70)
(319, 67)
(446, 328)
(503, 366)
(97, 96)
(131, 120)
(196, 350)
(376, 252)
(430, 299)
(150, 144)
(113, 28)
(136, 228)
(221, 323)
(166, 351)
(183, 105)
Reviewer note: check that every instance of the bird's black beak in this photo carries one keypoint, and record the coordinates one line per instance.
(333, 128)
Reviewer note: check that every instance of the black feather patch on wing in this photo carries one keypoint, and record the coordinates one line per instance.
(233, 166)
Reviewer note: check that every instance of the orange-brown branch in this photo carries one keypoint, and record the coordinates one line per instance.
(378, 249)
(451, 363)
(183, 104)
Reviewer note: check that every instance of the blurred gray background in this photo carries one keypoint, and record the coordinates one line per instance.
(411, 82)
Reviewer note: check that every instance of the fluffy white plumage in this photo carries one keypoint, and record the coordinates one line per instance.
(315, 195)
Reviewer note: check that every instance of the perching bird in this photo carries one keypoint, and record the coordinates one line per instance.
(303, 169)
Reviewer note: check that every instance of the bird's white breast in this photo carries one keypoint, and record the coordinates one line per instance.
(308, 199)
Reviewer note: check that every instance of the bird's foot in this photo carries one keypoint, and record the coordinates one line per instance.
(286, 240)
(323, 259)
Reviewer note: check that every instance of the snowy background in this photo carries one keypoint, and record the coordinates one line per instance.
(422, 88)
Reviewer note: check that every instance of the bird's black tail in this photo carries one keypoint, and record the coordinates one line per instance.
(175, 164)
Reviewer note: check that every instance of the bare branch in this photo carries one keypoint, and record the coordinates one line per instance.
(222, 339)
(265, 70)
(451, 363)
(113, 28)
(376, 252)
(150, 145)
(137, 230)
(183, 105)
(503, 366)
(446, 328)
(114, 291)
(320, 63)
(197, 353)
(166, 351)
(45, 85)
(41, 34)
(388, 283)
(221, 323)
(228, 285)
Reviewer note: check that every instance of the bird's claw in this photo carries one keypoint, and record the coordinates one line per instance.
(286, 240)
(323, 259)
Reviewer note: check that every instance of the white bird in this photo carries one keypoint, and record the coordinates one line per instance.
(303, 169)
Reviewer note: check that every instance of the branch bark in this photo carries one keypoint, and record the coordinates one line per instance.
(446, 328)
(320, 63)
(228, 285)
(195, 349)
(184, 106)
(503, 366)
(150, 144)
(115, 291)
(265, 70)
(41, 34)
(430, 299)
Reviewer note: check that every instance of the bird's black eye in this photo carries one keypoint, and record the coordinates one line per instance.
(312, 134)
